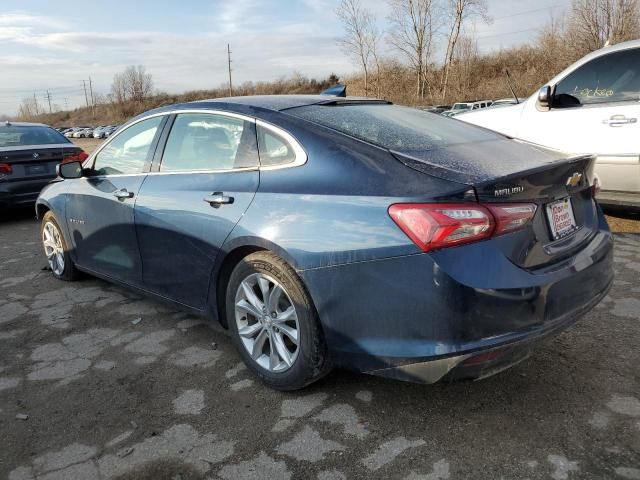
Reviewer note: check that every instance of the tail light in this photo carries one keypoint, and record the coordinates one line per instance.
(439, 225)
(512, 217)
(80, 156)
(5, 169)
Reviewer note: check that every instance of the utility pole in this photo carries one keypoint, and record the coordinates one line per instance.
(84, 85)
(66, 103)
(35, 102)
(229, 63)
(49, 100)
(93, 101)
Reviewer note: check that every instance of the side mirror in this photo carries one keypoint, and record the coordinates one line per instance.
(544, 97)
(69, 170)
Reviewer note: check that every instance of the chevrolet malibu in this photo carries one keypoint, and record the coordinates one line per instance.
(327, 231)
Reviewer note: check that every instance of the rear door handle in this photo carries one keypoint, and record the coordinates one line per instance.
(619, 120)
(218, 198)
(123, 194)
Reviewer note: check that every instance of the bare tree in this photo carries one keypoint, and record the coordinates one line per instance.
(596, 23)
(357, 41)
(133, 84)
(118, 90)
(29, 108)
(465, 62)
(459, 11)
(412, 31)
(375, 37)
(552, 40)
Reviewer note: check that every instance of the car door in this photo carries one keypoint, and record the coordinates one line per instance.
(595, 109)
(100, 212)
(204, 180)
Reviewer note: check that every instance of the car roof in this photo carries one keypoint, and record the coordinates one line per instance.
(284, 102)
(253, 104)
(22, 124)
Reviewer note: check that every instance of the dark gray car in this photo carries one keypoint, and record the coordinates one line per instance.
(29, 153)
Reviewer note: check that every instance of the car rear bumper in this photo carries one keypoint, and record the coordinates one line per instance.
(21, 192)
(414, 318)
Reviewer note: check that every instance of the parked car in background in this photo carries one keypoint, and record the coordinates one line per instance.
(29, 154)
(327, 231)
(99, 132)
(111, 129)
(437, 108)
(506, 101)
(83, 132)
(460, 107)
(593, 106)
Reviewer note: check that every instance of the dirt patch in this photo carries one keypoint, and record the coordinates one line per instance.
(623, 222)
(88, 144)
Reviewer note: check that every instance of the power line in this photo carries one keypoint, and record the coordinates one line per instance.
(548, 7)
(508, 33)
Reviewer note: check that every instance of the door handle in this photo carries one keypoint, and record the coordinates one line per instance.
(619, 120)
(123, 194)
(218, 198)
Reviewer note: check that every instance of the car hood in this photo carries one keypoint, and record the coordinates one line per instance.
(473, 163)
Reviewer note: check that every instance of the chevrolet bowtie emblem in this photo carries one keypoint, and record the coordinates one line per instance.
(574, 180)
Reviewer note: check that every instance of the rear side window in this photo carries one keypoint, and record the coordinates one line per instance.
(397, 128)
(274, 148)
(202, 142)
(22, 135)
(614, 77)
(128, 152)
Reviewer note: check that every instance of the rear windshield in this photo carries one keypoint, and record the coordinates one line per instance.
(394, 127)
(21, 135)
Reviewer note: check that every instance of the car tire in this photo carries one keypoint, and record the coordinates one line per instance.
(56, 249)
(264, 274)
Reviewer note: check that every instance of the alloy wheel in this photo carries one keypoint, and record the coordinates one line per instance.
(52, 242)
(267, 322)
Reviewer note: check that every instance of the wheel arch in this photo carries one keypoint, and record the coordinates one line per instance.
(41, 209)
(236, 250)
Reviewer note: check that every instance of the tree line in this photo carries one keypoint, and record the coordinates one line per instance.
(399, 60)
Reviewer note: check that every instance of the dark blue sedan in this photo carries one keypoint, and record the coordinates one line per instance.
(326, 232)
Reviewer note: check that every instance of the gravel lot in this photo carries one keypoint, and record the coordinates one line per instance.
(98, 383)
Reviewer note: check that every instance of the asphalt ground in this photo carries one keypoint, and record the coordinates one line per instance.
(98, 383)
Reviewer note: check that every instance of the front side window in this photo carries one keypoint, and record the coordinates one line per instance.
(614, 77)
(205, 141)
(129, 151)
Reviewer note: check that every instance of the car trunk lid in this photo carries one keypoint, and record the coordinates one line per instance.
(37, 161)
(514, 172)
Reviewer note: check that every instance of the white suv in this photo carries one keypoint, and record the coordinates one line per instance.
(591, 107)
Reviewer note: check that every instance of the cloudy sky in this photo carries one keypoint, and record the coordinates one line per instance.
(53, 46)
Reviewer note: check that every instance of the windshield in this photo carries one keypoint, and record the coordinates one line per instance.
(461, 106)
(394, 127)
(21, 135)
